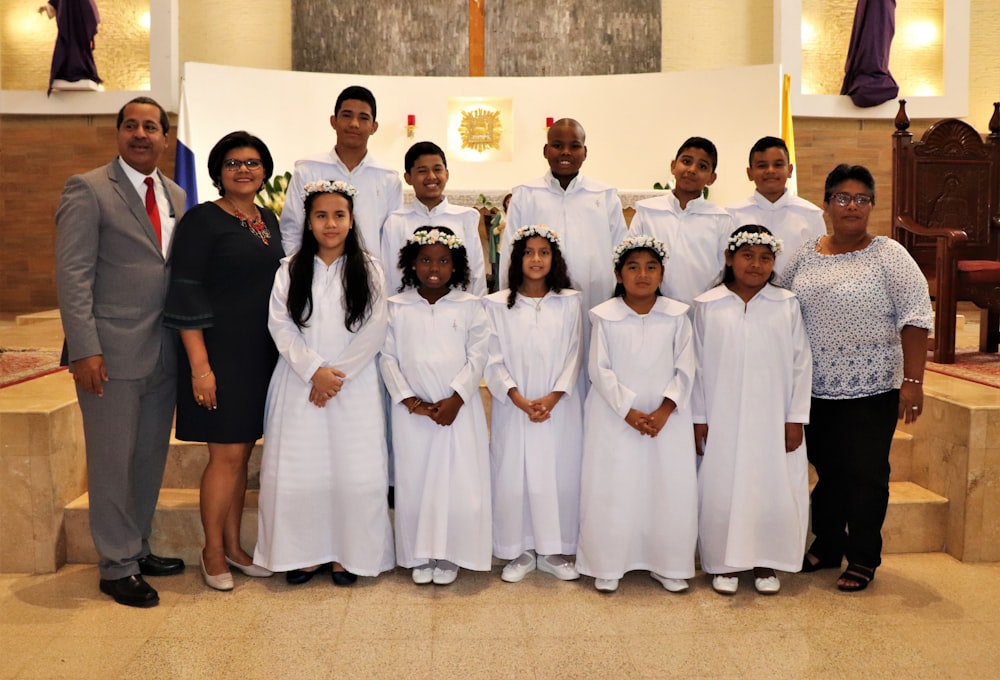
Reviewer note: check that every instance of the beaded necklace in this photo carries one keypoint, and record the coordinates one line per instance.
(255, 225)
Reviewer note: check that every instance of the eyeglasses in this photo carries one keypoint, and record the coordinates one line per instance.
(843, 199)
(234, 164)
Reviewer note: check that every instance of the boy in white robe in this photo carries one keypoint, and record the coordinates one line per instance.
(586, 213)
(427, 172)
(693, 228)
(379, 189)
(790, 218)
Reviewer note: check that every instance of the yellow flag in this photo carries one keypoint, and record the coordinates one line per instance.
(786, 127)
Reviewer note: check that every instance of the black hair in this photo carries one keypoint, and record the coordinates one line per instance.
(765, 143)
(620, 287)
(164, 120)
(408, 258)
(844, 172)
(728, 276)
(356, 275)
(241, 139)
(357, 92)
(556, 279)
(422, 149)
(705, 145)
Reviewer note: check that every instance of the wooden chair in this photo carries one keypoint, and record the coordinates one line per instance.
(946, 212)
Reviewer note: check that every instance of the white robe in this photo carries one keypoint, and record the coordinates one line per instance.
(442, 472)
(380, 191)
(535, 346)
(587, 215)
(401, 224)
(639, 498)
(323, 475)
(695, 238)
(754, 375)
(792, 219)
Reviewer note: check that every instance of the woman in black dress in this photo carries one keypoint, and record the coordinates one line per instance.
(223, 260)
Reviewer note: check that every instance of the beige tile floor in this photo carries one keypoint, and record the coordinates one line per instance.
(925, 616)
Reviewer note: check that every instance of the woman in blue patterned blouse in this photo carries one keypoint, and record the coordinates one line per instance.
(867, 313)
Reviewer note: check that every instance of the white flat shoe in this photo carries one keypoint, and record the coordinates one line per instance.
(606, 585)
(674, 585)
(424, 574)
(727, 585)
(253, 570)
(445, 573)
(564, 570)
(520, 567)
(768, 585)
(223, 581)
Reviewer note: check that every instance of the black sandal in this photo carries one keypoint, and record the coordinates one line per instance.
(808, 566)
(861, 576)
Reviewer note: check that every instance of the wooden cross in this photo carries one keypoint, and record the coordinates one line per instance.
(477, 37)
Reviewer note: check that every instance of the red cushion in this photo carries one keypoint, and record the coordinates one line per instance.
(978, 271)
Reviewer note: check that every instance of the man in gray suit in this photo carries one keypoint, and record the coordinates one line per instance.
(113, 230)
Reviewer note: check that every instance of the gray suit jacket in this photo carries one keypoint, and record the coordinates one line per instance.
(111, 275)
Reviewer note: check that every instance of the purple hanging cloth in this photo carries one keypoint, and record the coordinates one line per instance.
(73, 56)
(866, 75)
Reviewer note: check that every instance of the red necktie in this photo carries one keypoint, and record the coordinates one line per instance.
(152, 210)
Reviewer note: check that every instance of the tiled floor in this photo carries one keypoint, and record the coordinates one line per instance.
(925, 616)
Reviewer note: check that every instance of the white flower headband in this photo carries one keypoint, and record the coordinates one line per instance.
(325, 186)
(429, 237)
(537, 230)
(637, 242)
(747, 238)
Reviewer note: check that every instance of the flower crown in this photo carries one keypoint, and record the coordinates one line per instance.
(537, 230)
(748, 238)
(637, 242)
(325, 186)
(428, 237)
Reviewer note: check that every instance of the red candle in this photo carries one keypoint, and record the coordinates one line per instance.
(411, 119)
(548, 122)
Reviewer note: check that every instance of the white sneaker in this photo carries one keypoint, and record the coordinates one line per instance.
(445, 573)
(606, 585)
(727, 585)
(674, 585)
(768, 585)
(520, 567)
(563, 569)
(423, 574)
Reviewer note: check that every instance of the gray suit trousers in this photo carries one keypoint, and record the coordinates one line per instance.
(127, 434)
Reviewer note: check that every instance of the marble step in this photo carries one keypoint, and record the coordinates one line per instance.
(186, 460)
(916, 522)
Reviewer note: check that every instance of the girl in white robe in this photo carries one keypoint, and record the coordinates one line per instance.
(323, 476)
(751, 399)
(638, 507)
(432, 365)
(536, 433)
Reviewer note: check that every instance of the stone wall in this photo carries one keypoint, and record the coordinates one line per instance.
(523, 37)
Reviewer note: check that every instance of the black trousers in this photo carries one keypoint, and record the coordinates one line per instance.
(848, 443)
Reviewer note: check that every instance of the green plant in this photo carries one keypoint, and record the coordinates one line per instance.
(274, 192)
(666, 187)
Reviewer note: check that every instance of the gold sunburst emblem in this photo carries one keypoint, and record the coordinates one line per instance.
(480, 129)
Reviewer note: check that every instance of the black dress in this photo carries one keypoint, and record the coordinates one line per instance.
(220, 282)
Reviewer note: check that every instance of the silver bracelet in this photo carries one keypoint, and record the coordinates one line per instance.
(913, 380)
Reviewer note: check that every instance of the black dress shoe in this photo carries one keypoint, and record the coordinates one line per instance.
(131, 591)
(154, 565)
(297, 577)
(344, 578)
